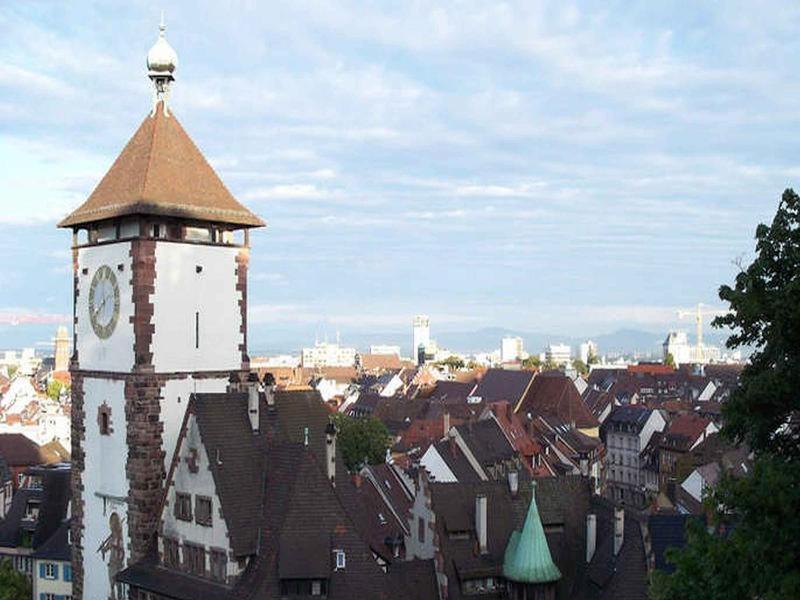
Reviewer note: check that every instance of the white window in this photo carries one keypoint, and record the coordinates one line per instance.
(340, 559)
(49, 571)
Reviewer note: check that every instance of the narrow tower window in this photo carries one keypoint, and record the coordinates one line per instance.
(197, 330)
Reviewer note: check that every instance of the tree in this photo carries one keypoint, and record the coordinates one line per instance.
(753, 549)
(532, 362)
(669, 360)
(592, 359)
(13, 584)
(54, 389)
(453, 362)
(580, 366)
(361, 441)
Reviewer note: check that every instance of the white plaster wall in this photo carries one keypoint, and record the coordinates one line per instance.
(200, 483)
(436, 466)
(416, 548)
(180, 292)
(174, 397)
(116, 352)
(104, 475)
(56, 586)
(694, 485)
(654, 423)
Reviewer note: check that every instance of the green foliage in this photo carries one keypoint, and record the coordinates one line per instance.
(12, 369)
(54, 389)
(453, 362)
(532, 362)
(670, 360)
(765, 305)
(592, 359)
(753, 548)
(361, 440)
(580, 366)
(13, 584)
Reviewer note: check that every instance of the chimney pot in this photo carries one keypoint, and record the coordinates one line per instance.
(619, 528)
(513, 482)
(591, 536)
(252, 405)
(446, 422)
(481, 522)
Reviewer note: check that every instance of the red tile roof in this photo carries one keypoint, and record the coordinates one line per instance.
(161, 172)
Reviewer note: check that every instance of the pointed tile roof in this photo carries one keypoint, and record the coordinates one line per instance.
(527, 558)
(161, 172)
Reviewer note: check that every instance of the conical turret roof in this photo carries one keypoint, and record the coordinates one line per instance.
(161, 172)
(527, 558)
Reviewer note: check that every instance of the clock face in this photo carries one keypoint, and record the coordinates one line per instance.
(104, 302)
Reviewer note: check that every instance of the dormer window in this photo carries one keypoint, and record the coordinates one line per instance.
(341, 559)
(183, 506)
(202, 510)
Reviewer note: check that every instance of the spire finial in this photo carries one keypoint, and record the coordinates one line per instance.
(161, 63)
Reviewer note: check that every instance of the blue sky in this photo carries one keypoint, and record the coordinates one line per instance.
(558, 167)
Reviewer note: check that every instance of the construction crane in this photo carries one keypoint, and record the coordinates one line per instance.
(698, 314)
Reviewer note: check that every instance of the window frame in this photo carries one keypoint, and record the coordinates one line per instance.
(183, 500)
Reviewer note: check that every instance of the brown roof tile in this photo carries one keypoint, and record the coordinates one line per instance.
(161, 172)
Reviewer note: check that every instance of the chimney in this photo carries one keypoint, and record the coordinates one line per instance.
(269, 390)
(619, 528)
(446, 421)
(480, 522)
(513, 482)
(584, 464)
(591, 536)
(252, 401)
(330, 452)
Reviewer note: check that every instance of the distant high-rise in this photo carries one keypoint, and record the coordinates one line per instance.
(422, 334)
(511, 349)
(588, 350)
(558, 354)
(62, 349)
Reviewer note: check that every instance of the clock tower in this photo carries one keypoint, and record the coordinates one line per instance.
(160, 254)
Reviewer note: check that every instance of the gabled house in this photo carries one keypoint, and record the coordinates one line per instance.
(684, 433)
(553, 394)
(476, 451)
(258, 504)
(510, 539)
(38, 512)
(627, 432)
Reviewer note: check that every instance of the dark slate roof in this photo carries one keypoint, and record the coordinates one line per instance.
(563, 503)
(172, 584)
(19, 451)
(53, 498)
(236, 460)
(624, 576)
(452, 392)
(554, 394)
(666, 531)
(500, 384)
(57, 547)
(487, 442)
(635, 416)
(5, 471)
(301, 518)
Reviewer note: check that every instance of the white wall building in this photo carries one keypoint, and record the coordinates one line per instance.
(325, 354)
(587, 349)
(558, 354)
(511, 349)
(421, 335)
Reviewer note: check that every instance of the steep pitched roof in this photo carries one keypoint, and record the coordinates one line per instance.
(161, 172)
(236, 460)
(501, 384)
(554, 394)
(527, 557)
(19, 451)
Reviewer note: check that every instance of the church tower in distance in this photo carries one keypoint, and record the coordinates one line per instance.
(160, 254)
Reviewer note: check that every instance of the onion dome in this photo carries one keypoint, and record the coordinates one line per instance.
(162, 58)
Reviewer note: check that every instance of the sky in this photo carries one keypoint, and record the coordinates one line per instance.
(570, 168)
